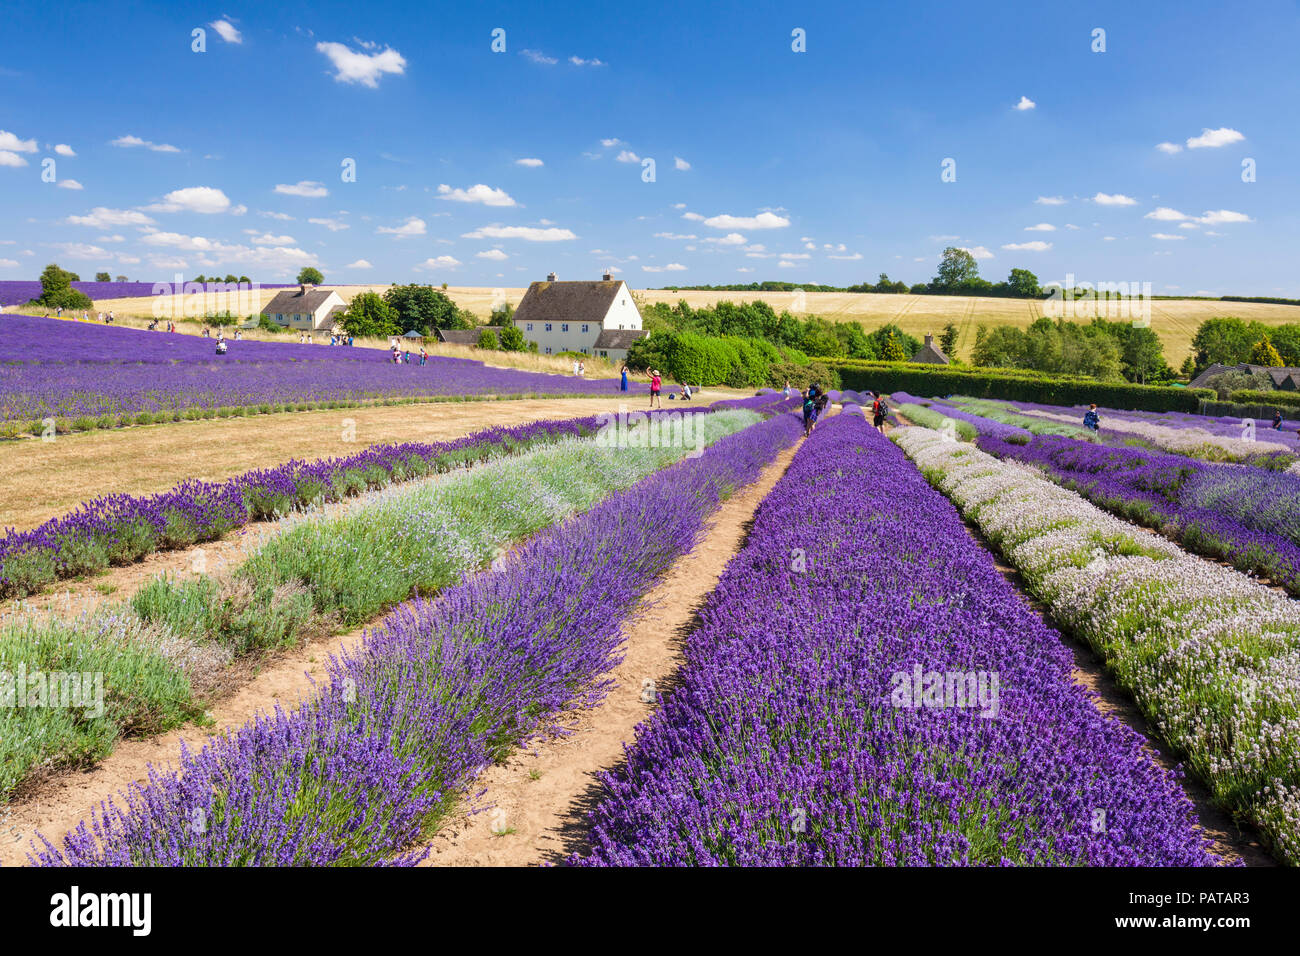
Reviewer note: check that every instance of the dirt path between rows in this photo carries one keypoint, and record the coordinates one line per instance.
(539, 798)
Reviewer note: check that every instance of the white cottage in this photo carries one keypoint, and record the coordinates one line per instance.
(595, 318)
(306, 308)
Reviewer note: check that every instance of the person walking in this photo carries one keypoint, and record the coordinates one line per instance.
(656, 385)
(786, 391)
(582, 369)
(809, 412)
(879, 409)
(623, 386)
(424, 355)
(1091, 420)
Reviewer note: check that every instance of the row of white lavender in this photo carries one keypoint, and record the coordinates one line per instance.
(1211, 656)
(1192, 441)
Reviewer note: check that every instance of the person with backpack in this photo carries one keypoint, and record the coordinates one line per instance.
(1091, 420)
(879, 409)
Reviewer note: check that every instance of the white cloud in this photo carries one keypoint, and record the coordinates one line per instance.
(130, 141)
(363, 68)
(1051, 200)
(1216, 216)
(627, 156)
(693, 216)
(530, 233)
(675, 235)
(102, 218)
(1070, 225)
(730, 239)
(414, 226)
(529, 161)
(479, 193)
(579, 61)
(1188, 225)
(680, 164)
(944, 238)
(226, 30)
(979, 252)
(1170, 148)
(441, 262)
(1165, 214)
(612, 142)
(853, 258)
(1114, 199)
(1211, 138)
(81, 250)
(1036, 246)
(269, 239)
(671, 267)
(10, 158)
(70, 184)
(1166, 236)
(744, 269)
(764, 220)
(202, 199)
(276, 215)
(536, 56)
(305, 188)
(333, 225)
(359, 264)
(8, 263)
(1041, 227)
(110, 238)
(1107, 238)
(214, 252)
(1025, 103)
(8, 141)
(63, 149)
(494, 254)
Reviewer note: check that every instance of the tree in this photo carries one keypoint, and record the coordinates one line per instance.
(893, 350)
(201, 279)
(1224, 339)
(424, 309)
(245, 280)
(948, 341)
(503, 316)
(57, 291)
(487, 339)
(103, 277)
(121, 279)
(1264, 354)
(956, 270)
(310, 275)
(512, 340)
(369, 315)
(1023, 284)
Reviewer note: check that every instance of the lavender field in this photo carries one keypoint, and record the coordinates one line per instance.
(20, 291)
(52, 368)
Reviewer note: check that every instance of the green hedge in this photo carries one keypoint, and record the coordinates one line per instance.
(1247, 396)
(938, 380)
(734, 361)
(1245, 410)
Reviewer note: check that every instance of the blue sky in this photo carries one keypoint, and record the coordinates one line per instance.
(816, 166)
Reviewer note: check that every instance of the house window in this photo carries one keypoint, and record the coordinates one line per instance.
(584, 326)
(530, 326)
(623, 302)
(548, 328)
(279, 316)
(564, 326)
(548, 350)
(604, 354)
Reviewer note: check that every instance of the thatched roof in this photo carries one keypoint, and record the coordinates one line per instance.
(293, 301)
(567, 301)
(619, 338)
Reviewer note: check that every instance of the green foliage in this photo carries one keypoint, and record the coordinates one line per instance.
(1013, 385)
(503, 316)
(512, 340)
(310, 275)
(957, 269)
(1235, 380)
(893, 350)
(1264, 354)
(103, 277)
(370, 315)
(424, 309)
(1273, 399)
(948, 341)
(487, 339)
(1059, 348)
(57, 291)
(1228, 340)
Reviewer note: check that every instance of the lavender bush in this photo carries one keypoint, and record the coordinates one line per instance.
(432, 697)
(791, 742)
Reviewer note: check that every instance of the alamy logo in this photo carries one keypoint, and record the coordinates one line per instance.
(946, 690)
(656, 430)
(74, 908)
(53, 689)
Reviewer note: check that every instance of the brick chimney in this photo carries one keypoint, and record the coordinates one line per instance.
(929, 339)
(550, 277)
(607, 277)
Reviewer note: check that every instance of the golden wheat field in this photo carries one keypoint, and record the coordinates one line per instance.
(1174, 320)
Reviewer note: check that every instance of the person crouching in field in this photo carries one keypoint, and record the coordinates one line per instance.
(1277, 420)
(1091, 420)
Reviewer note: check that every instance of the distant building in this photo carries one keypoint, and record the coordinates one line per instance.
(306, 308)
(595, 318)
(930, 353)
(459, 336)
(1284, 379)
